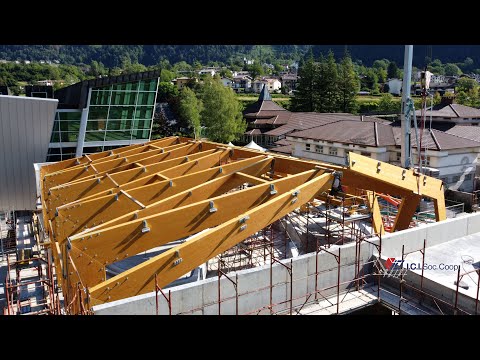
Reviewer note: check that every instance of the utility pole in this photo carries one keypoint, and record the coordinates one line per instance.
(406, 147)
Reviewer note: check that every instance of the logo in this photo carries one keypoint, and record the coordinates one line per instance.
(391, 268)
(396, 267)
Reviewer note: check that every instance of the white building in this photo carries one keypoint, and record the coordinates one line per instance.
(227, 82)
(455, 157)
(395, 86)
(210, 72)
(271, 84)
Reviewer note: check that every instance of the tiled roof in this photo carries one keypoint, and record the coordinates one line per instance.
(351, 132)
(380, 134)
(451, 111)
(287, 149)
(307, 120)
(468, 132)
(282, 142)
(253, 132)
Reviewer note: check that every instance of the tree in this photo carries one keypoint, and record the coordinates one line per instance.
(382, 75)
(255, 69)
(221, 112)
(348, 84)
(392, 70)
(304, 95)
(327, 85)
(190, 108)
(166, 75)
(226, 73)
(381, 64)
(97, 69)
(370, 80)
(437, 98)
(466, 84)
(452, 70)
(166, 91)
(387, 105)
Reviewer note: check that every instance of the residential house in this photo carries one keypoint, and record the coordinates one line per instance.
(45, 82)
(242, 83)
(227, 82)
(181, 82)
(453, 156)
(271, 84)
(289, 82)
(395, 86)
(207, 71)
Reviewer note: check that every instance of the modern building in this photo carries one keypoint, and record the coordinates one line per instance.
(4, 90)
(103, 114)
(25, 130)
(39, 91)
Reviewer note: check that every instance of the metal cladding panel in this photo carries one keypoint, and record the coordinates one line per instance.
(25, 130)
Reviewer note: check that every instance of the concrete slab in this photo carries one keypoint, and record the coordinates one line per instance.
(443, 260)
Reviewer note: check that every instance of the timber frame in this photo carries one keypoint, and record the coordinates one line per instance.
(105, 207)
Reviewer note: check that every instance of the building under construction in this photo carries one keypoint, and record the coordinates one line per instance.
(175, 214)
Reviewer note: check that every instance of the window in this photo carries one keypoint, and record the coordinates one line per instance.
(425, 160)
(307, 147)
(468, 177)
(319, 149)
(455, 178)
(362, 147)
(399, 156)
(333, 151)
(365, 153)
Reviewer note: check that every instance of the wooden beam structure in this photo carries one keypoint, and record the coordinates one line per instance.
(200, 196)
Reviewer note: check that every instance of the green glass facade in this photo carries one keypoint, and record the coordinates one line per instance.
(119, 113)
(65, 131)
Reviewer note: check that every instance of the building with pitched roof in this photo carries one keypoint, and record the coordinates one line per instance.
(455, 157)
(449, 112)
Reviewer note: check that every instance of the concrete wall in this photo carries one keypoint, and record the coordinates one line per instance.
(253, 287)
(254, 284)
(460, 196)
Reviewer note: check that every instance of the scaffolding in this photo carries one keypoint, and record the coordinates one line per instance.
(30, 285)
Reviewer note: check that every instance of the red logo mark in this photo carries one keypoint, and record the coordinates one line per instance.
(389, 263)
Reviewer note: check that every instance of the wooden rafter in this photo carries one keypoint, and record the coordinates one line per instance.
(108, 206)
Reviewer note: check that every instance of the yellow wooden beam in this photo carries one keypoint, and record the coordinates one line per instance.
(406, 210)
(79, 172)
(64, 194)
(374, 206)
(181, 259)
(251, 179)
(114, 209)
(123, 240)
(406, 179)
(186, 181)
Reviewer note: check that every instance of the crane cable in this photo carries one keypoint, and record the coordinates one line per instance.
(410, 111)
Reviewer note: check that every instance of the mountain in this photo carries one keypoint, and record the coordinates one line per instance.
(114, 55)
